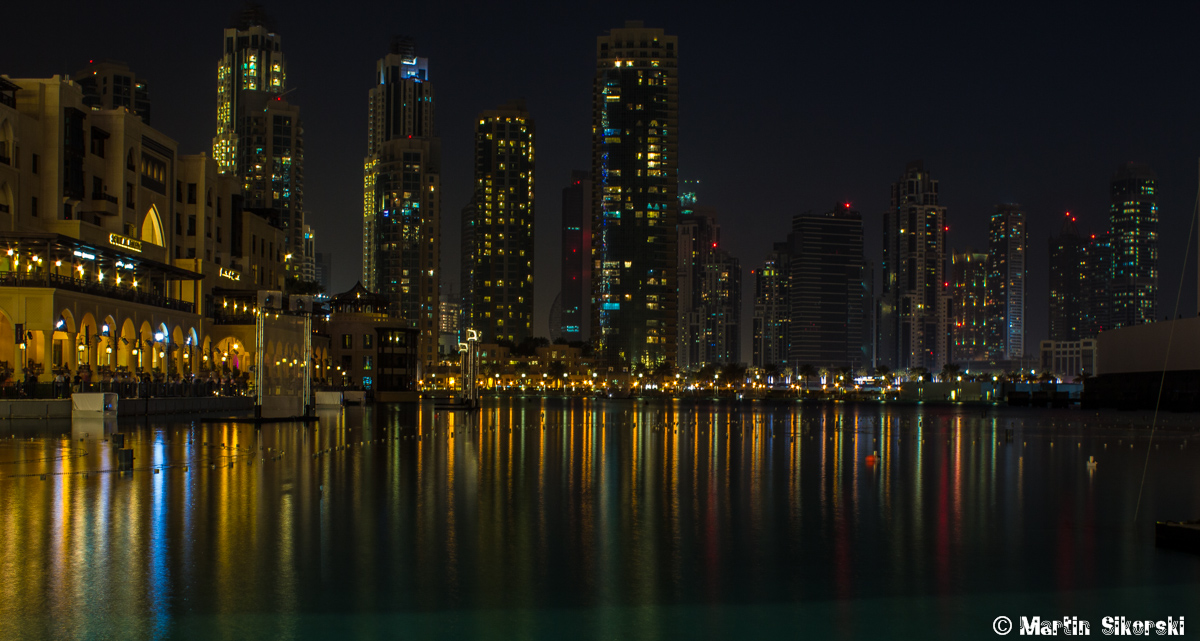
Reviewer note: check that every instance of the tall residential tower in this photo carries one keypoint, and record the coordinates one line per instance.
(771, 313)
(1008, 244)
(969, 340)
(576, 294)
(914, 307)
(827, 294)
(260, 138)
(634, 208)
(401, 193)
(499, 255)
(1067, 264)
(1133, 220)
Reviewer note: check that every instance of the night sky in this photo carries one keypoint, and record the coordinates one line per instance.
(780, 111)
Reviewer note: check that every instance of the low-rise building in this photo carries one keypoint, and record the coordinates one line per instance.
(1069, 360)
(113, 243)
(370, 348)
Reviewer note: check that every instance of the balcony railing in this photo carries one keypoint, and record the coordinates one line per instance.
(99, 196)
(233, 319)
(16, 279)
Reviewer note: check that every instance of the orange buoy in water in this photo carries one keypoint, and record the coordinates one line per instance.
(871, 458)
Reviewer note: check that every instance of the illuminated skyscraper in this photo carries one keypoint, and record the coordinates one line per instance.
(1067, 264)
(634, 205)
(402, 193)
(259, 137)
(1133, 220)
(500, 254)
(698, 241)
(771, 313)
(969, 333)
(826, 293)
(914, 307)
(576, 295)
(1008, 243)
(709, 278)
(1097, 280)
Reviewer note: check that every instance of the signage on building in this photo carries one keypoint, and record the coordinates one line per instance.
(230, 274)
(125, 242)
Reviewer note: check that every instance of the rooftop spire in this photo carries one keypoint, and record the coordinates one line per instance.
(252, 14)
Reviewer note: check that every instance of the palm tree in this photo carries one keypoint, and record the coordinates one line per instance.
(734, 372)
(771, 370)
(949, 372)
(917, 374)
(805, 372)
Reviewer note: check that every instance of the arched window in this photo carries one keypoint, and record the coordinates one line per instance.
(152, 230)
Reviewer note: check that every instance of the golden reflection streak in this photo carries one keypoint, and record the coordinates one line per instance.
(451, 519)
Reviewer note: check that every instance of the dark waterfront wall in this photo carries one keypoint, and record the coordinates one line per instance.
(1140, 391)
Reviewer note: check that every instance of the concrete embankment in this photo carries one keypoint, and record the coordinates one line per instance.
(61, 407)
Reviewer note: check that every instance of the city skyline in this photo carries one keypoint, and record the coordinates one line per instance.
(1094, 139)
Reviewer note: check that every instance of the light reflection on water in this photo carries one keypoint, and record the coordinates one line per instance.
(605, 519)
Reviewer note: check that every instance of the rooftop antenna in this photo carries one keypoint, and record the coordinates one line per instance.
(403, 45)
(252, 14)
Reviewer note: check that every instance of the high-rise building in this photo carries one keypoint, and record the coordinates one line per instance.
(1133, 220)
(1008, 244)
(401, 193)
(575, 299)
(323, 266)
(466, 260)
(826, 294)
(969, 333)
(259, 134)
(698, 243)
(308, 269)
(915, 302)
(450, 332)
(252, 63)
(111, 85)
(1067, 263)
(634, 196)
(1097, 300)
(771, 312)
(721, 332)
(500, 254)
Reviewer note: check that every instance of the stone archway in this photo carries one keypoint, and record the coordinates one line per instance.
(62, 345)
(10, 356)
(124, 345)
(106, 350)
(87, 338)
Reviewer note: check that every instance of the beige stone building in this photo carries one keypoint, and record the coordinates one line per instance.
(112, 243)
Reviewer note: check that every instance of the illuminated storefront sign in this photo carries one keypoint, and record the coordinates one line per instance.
(230, 274)
(125, 242)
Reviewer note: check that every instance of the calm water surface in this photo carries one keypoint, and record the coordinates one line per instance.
(595, 519)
